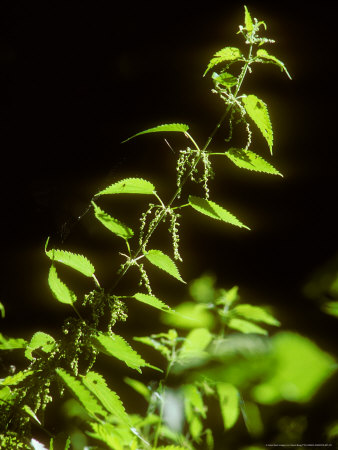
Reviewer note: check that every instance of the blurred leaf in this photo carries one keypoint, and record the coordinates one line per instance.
(299, 370)
(138, 387)
(331, 308)
(255, 313)
(229, 403)
(245, 327)
(202, 289)
(189, 315)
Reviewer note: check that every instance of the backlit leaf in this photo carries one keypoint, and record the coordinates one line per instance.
(138, 386)
(109, 399)
(61, 292)
(246, 159)
(225, 79)
(129, 186)
(194, 345)
(176, 127)
(229, 403)
(264, 54)
(39, 340)
(164, 262)
(226, 54)
(151, 301)
(255, 313)
(248, 20)
(246, 327)
(11, 343)
(115, 345)
(77, 262)
(213, 210)
(113, 225)
(81, 392)
(258, 112)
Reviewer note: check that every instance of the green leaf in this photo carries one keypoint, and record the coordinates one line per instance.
(299, 368)
(2, 311)
(39, 340)
(113, 225)
(178, 127)
(331, 308)
(149, 340)
(248, 20)
(229, 402)
(129, 186)
(261, 53)
(193, 402)
(82, 393)
(109, 399)
(246, 327)
(115, 345)
(61, 292)
(225, 79)
(77, 262)
(255, 313)
(226, 54)
(164, 262)
(245, 159)
(213, 210)
(152, 301)
(31, 413)
(138, 386)
(194, 345)
(15, 379)
(258, 112)
(11, 343)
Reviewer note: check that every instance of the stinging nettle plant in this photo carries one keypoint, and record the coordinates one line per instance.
(66, 364)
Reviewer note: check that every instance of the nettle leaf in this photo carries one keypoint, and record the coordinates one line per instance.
(138, 386)
(109, 399)
(193, 402)
(11, 343)
(115, 345)
(194, 345)
(213, 210)
(164, 262)
(246, 327)
(255, 313)
(176, 127)
(77, 262)
(258, 112)
(225, 79)
(229, 403)
(15, 379)
(61, 292)
(40, 340)
(129, 186)
(82, 393)
(248, 20)
(226, 54)
(113, 225)
(152, 301)
(246, 159)
(31, 413)
(264, 54)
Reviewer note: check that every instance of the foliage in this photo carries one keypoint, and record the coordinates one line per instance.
(215, 349)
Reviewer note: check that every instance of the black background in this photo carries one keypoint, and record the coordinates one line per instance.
(78, 78)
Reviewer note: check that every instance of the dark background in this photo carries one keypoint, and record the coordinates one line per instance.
(78, 78)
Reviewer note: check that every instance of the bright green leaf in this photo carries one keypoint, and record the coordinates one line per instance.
(61, 292)
(264, 54)
(258, 112)
(255, 313)
(189, 315)
(225, 79)
(129, 186)
(180, 127)
(113, 225)
(109, 399)
(31, 413)
(246, 327)
(115, 345)
(138, 386)
(248, 20)
(151, 301)
(226, 54)
(299, 369)
(77, 262)
(229, 403)
(11, 343)
(193, 402)
(39, 340)
(213, 210)
(81, 392)
(194, 345)
(164, 262)
(246, 159)
(13, 380)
